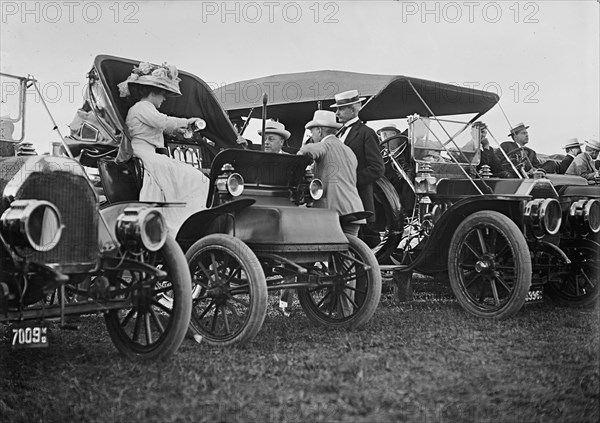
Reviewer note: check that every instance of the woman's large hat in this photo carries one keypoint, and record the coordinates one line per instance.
(323, 118)
(347, 98)
(274, 127)
(161, 76)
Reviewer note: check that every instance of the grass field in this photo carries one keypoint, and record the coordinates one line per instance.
(420, 361)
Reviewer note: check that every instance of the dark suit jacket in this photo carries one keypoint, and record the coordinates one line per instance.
(531, 163)
(564, 164)
(363, 141)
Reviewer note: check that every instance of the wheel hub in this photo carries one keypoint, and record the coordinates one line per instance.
(483, 266)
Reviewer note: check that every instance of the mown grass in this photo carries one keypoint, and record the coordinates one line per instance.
(423, 361)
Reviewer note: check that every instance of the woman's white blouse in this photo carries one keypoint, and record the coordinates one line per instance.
(148, 124)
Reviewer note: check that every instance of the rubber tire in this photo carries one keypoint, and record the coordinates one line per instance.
(176, 328)
(368, 306)
(257, 282)
(588, 250)
(520, 255)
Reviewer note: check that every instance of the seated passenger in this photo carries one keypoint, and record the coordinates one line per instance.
(489, 157)
(165, 179)
(573, 149)
(524, 158)
(399, 148)
(583, 165)
(275, 136)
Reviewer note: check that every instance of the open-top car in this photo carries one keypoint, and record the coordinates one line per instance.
(258, 232)
(61, 256)
(500, 242)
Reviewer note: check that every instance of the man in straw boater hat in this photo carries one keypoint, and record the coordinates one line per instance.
(363, 141)
(339, 187)
(584, 164)
(518, 153)
(275, 136)
(573, 149)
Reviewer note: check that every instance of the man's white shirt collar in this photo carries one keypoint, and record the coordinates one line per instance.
(347, 125)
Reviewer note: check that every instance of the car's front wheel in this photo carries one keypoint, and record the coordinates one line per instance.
(489, 265)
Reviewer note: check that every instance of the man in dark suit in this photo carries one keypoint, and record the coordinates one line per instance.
(524, 158)
(573, 149)
(363, 141)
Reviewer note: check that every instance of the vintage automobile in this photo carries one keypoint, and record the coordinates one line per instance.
(500, 242)
(258, 232)
(61, 258)
(293, 99)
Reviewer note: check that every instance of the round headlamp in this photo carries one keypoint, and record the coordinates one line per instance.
(315, 189)
(35, 224)
(586, 214)
(139, 227)
(544, 216)
(235, 184)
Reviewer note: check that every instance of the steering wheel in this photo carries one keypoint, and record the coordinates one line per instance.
(516, 160)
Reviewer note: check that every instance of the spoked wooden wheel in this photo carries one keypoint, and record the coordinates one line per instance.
(230, 290)
(351, 300)
(489, 265)
(149, 329)
(576, 284)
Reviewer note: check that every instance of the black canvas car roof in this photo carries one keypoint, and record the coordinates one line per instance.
(197, 99)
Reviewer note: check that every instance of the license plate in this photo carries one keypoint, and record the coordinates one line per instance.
(534, 296)
(29, 335)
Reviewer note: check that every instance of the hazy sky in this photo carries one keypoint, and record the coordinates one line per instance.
(542, 57)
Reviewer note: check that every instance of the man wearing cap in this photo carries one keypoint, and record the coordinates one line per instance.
(523, 157)
(399, 148)
(583, 165)
(363, 141)
(275, 136)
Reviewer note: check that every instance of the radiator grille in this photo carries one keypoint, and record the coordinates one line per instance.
(78, 246)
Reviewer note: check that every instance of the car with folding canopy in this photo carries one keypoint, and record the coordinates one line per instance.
(500, 242)
(62, 256)
(258, 232)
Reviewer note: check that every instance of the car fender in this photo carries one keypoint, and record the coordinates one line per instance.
(434, 255)
(197, 225)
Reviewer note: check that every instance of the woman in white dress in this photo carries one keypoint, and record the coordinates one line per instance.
(165, 179)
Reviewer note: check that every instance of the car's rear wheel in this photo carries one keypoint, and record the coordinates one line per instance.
(351, 300)
(489, 265)
(148, 329)
(576, 284)
(230, 290)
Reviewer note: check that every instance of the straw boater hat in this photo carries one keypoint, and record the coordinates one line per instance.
(163, 77)
(323, 118)
(592, 144)
(274, 127)
(520, 127)
(390, 127)
(347, 98)
(572, 143)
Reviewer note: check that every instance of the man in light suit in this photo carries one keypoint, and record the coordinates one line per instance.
(335, 166)
(363, 141)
